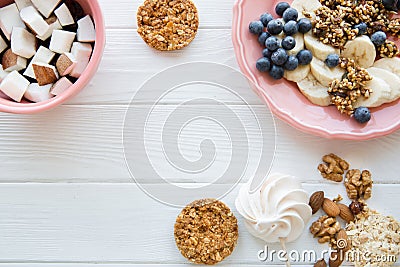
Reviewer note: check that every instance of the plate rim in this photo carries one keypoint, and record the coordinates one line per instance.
(280, 112)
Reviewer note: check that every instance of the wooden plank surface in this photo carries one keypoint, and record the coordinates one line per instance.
(118, 223)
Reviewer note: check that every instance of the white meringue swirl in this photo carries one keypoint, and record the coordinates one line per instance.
(279, 209)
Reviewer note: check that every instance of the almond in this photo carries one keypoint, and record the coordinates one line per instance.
(330, 208)
(316, 201)
(336, 259)
(342, 241)
(345, 213)
(320, 263)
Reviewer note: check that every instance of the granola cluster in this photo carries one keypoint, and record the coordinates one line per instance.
(345, 92)
(374, 235)
(388, 49)
(336, 18)
(167, 24)
(206, 231)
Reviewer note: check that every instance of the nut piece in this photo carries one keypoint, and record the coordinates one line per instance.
(206, 231)
(320, 263)
(325, 228)
(334, 167)
(358, 184)
(167, 25)
(336, 259)
(316, 201)
(342, 241)
(345, 213)
(356, 207)
(330, 208)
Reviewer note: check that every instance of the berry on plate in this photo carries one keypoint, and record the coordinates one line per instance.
(279, 57)
(332, 60)
(304, 25)
(290, 14)
(256, 27)
(378, 38)
(272, 43)
(266, 18)
(362, 115)
(292, 63)
(275, 26)
(288, 43)
(263, 64)
(277, 72)
(263, 37)
(361, 27)
(281, 7)
(304, 57)
(290, 28)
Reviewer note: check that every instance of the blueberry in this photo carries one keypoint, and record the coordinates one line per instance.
(263, 64)
(272, 43)
(304, 25)
(276, 72)
(266, 18)
(332, 60)
(275, 27)
(292, 63)
(290, 14)
(378, 38)
(279, 57)
(267, 53)
(263, 37)
(281, 7)
(290, 28)
(256, 27)
(304, 57)
(288, 43)
(362, 28)
(362, 115)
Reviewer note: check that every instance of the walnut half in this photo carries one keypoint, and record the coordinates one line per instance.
(333, 167)
(325, 228)
(358, 184)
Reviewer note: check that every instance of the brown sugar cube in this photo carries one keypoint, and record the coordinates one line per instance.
(65, 64)
(11, 61)
(45, 73)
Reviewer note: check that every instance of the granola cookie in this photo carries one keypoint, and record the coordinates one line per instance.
(206, 231)
(167, 24)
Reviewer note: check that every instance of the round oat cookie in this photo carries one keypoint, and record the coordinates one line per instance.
(167, 24)
(206, 231)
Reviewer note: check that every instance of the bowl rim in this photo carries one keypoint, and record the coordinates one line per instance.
(9, 106)
(280, 112)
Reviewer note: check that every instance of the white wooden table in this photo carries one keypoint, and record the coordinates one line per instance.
(66, 196)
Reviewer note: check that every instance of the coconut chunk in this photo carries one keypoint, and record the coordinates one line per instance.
(11, 61)
(82, 53)
(61, 86)
(86, 32)
(42, 55)
(53, 25)
(23, 43)
(46, 7)
(37, 93)
(65, 64)
(14, 86)
(61, 41)
(64, 15)
(34, 20)
(21, 4)
(9, 18)
(3, 45)
(45, 73)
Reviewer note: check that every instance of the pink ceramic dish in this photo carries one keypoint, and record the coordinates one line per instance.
(92, 8)
(286, 101)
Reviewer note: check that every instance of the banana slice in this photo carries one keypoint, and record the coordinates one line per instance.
(314, 91)
(298, 74)
(306, 6)
(380, 94)
(389, 64)
(391, 79)
(362, 50)
(323, 73)
(299, 37)
(318, 48)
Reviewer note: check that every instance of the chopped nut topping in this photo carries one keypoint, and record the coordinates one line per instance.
(167, 24)
(388, 49)
(374, 235)
(206, 231)
(334, 167)
(358, 184)
(344, 93)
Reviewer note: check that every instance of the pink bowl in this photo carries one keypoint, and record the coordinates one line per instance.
(286, 101)
(91, 7)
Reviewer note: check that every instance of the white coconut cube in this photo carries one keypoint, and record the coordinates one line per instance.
(86, 31)
(14, 86)
(37, 93)
(53, 26)
(3, 45)
(61, 86)
(3, 73)
(21, 4)
(34, 20)
(64, 15)
(9, 18)
(82, 53)
(46, 7)
(23, 43)
(42, 55)
(61, 41)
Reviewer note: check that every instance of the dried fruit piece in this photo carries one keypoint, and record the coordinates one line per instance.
(356, 207)
(358, 184)
(345, 213)
(333, 167)
(316, 200)
(330, 208)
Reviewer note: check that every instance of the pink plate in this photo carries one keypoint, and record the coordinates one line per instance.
(286, 101)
